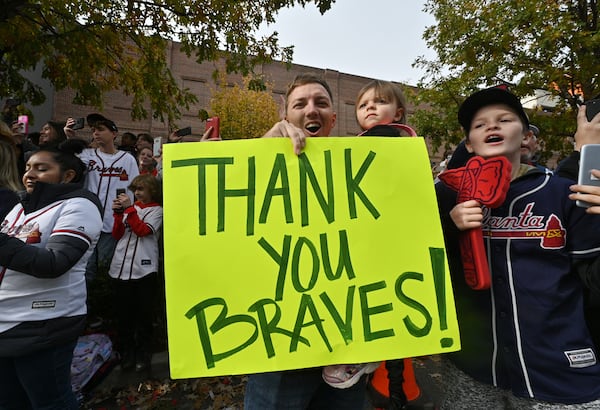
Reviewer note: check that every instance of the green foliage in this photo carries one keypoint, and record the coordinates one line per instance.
(543, 44)
(247, 111)
(98, 46)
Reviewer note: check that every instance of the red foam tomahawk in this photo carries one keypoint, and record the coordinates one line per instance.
(487, 181)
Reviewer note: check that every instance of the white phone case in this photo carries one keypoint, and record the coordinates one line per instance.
(156, 146)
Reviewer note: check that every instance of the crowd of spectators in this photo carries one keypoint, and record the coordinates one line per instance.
(122, 177)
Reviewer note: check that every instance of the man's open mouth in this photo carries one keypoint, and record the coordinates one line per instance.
(313, 127)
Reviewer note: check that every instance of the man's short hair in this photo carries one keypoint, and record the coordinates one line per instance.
(304, 79)
(145, 137)
(129, 137)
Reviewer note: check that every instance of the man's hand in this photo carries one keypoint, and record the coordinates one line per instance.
(588, 193)
(206, 135)
(285, 129)
(69, 131)
(173, 137)
(588, 132)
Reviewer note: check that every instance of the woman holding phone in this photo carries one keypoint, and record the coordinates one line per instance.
(52, 134)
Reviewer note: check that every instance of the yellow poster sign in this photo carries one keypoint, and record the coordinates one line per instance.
(275, 261)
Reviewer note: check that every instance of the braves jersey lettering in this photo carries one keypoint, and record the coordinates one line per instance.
(549, 230)
(524, 220)
(107, 173)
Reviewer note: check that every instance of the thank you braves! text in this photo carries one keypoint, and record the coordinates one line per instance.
(300, 263)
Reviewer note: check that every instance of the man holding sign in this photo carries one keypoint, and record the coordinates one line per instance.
(308, 113)
(276, 262)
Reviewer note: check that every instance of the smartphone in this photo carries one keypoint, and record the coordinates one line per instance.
(24, 121)
(79, 124)
(121, 191)
(592, 108)
(183, 131)
(589, 159)
(156, 146)
(215, 123)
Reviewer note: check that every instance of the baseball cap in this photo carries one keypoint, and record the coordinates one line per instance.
(93, 119)
(535, 129)
(489, 96)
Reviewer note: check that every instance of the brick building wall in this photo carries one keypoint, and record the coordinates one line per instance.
(198, 78)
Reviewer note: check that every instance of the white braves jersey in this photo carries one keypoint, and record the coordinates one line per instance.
(137, 256)
(105, 174)
(25, 298)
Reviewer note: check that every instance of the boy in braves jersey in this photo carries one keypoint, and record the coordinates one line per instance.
(525, 343)
(108, 169)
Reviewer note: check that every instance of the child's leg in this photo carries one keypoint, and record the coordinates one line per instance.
(144, 296)
(393, 384)
(125, 321)
(395, 370)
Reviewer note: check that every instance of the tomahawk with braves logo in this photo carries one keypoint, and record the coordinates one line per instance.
(524, 340)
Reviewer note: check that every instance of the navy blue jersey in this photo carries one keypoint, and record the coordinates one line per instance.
(528, 332)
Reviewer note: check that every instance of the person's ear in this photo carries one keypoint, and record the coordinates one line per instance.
(526, 138)
(399, 114)
(333, 118)
(68, 176)
(468, 145)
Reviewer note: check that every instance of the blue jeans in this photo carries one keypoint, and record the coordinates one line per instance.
(40, 381)
(300, 390)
